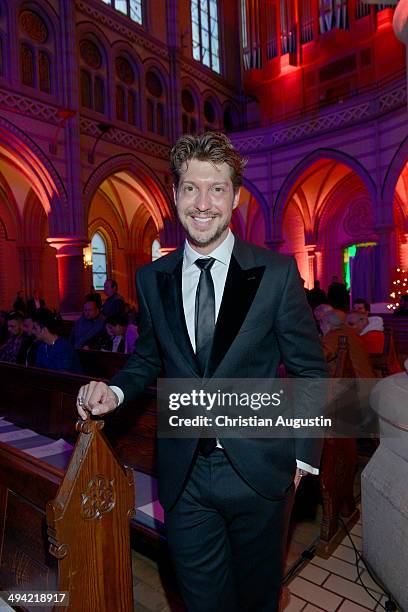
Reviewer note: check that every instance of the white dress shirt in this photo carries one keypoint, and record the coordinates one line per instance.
(190, 277)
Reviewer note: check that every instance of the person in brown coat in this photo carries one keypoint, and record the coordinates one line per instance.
(333, 327)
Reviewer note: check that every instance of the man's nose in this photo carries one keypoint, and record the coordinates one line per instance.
(203, 201)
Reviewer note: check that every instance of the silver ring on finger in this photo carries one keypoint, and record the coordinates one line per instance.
(81, 401)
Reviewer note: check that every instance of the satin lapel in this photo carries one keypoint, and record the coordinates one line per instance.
(239, 292)
(170, 289)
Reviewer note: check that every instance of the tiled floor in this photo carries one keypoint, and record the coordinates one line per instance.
(332, 584)
(320, 584)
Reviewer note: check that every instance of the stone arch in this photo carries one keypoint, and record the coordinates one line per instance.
(263, 204)
(29, 159)
(393, 172)
(164, 208)
(297, 172)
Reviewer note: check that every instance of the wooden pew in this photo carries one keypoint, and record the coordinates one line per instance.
(337, 473)
(46, 401)
(399, 326)
(68, 532)
(101, 364)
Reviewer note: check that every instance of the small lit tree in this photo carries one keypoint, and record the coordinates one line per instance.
(399, 287)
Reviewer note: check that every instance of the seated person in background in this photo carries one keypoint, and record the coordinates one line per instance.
(3, 328)
(114, 304)
(10, 351)
(35, 303)
(89, 325)
(94, 296)
(402, 310)
(316, 296)
(332, 328)
(19, 303)
(120, 336)
(371, 333)
(30, 344)
(362, 306)
(54, 352)
(319, 313)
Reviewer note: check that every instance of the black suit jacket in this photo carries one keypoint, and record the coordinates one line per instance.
(263, 319)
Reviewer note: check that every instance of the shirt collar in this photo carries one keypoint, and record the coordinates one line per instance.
(222, 253)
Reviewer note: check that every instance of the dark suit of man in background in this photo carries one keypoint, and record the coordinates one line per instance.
(222, 308)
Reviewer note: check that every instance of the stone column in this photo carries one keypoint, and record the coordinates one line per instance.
(311, 259)
(70, 271)
(383, 262)
(30, 267)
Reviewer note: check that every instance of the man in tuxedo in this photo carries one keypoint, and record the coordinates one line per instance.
(220, 307)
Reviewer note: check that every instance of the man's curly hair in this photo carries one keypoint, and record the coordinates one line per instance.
(212, 147)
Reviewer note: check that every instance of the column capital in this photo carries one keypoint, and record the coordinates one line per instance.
(311, 249)
(68, 245)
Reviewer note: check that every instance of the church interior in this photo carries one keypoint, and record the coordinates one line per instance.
(93, 95)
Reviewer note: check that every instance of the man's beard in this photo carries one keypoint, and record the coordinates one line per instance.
(204, 242)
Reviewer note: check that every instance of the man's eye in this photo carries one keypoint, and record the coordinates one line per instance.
(218, 189)
(188, 188)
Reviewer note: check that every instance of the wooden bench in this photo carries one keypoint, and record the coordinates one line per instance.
(399, 326)
(66, 530)
(337, 474)
(45, 401)
(101, 364)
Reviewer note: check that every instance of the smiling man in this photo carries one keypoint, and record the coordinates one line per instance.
(220, 308)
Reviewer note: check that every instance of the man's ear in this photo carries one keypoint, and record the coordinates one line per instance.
(175, 195)
(236, 199)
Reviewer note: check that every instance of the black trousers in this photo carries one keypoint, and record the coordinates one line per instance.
(227, 541)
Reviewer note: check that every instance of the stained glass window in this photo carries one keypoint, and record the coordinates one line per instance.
(205, 33)
(131, 8)
(99, 261)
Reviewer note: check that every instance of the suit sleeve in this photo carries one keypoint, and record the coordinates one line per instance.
(144, 366)
(303, 357)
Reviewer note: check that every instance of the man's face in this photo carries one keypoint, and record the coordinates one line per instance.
(38, 331)
(359, 308)
(28, 326)
(357, 321)
(115, 330)
(205, 200)
(15, 328)
(90, 311)
(107, 288)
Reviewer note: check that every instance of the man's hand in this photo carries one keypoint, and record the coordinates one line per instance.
(95, 398)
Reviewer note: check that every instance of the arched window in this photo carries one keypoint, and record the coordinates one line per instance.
(230, 119)
(36, 51)
(92, 75)
(210, 116)
(99, 261)
(189, 115)
(126, 93)
(155, 103)
(132, 8)
(205, 35)
(156, 250)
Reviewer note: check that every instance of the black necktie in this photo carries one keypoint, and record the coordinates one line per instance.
(204, 312)
(204, 330)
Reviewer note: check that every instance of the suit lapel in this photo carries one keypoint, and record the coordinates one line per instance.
(239, 292)
(170, 289)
